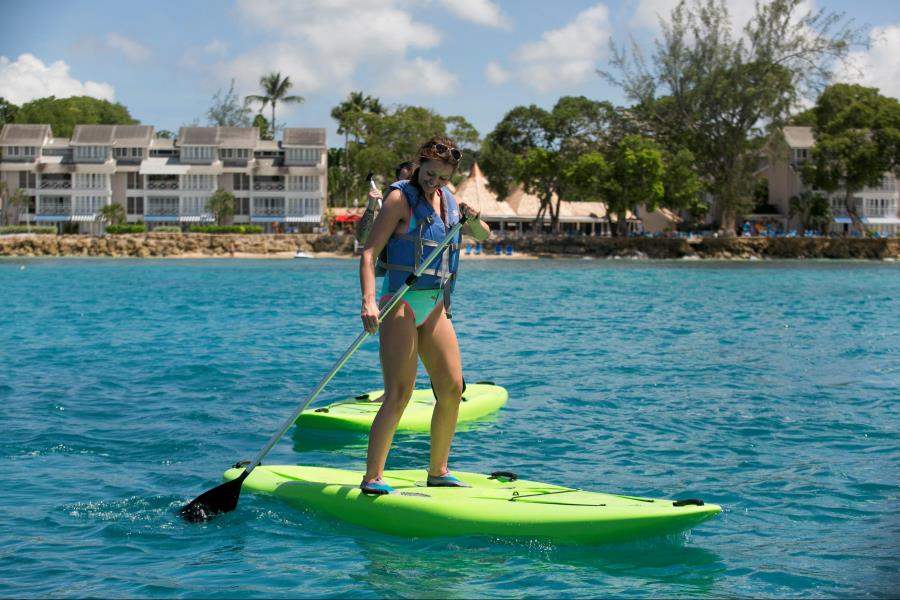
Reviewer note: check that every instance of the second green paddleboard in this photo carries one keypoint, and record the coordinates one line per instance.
(357, 413)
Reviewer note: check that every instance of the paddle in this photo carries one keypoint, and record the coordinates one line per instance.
(224, 498)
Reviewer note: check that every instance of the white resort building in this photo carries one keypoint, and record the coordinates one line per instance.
(878, 206)
(280, 185)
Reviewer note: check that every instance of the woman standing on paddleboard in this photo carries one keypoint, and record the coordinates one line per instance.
(415, 217)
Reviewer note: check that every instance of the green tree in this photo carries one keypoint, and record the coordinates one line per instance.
(165, 134)
(8, 111)
(227, 110)
(635, 176)
(708, 91)
(531, 146)
(64, 113)
(221, 205)
(16, 201)
(263, 125)
(113, 214)
(812, 209)
(275, 90)
(857, 140)
(682, 187)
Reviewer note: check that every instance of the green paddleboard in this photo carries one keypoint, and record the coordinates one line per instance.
(497, 506)
(357, 413)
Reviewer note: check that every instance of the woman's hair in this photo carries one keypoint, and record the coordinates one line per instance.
(427, 152)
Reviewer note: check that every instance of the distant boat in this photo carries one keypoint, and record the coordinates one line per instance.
(302, 254)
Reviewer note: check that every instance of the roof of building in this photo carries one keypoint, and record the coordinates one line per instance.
(119, 136)
(238, 137)
(20, 134)
(57, 142)
(131, 136)
(303, 136)
(158, 143)
(474, 191)
(267, 146)
(198, 136)
(93, 135)
(799, 137)
(524, 204)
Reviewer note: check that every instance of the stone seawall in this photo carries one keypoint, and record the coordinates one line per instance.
(144, 245)
(199, 244)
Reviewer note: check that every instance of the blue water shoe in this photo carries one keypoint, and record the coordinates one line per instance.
(376, 487)
(445, 480)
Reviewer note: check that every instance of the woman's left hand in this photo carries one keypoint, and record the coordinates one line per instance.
(468, 212)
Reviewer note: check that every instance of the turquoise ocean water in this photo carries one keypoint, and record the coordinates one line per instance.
(127, 387)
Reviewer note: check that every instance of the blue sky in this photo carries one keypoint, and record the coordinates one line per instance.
(478, 58)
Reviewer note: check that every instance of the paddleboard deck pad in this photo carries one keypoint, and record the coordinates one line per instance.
(356, 413)
(497, 505)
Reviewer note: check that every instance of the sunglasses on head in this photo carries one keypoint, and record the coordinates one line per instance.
(445, 151)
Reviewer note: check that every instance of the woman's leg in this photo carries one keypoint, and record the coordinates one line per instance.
(440, 355)
(399, 359)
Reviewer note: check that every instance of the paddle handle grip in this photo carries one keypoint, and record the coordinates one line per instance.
(385, 310)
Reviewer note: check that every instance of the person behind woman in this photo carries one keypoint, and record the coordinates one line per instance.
(364, 226)
(415, 217)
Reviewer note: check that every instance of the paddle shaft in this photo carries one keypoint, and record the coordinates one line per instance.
(395, 299)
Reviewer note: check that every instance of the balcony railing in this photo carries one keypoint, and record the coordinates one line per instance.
(54, 208)
(56, 184)
(268, 186)
(269, 211)
(161, 211)
(162, 185)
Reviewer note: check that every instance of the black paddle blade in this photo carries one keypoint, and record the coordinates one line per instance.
(221, 499)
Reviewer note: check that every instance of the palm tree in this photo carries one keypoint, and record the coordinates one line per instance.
(221, 205)
(113, 213)
(349, 115)
(276, 88)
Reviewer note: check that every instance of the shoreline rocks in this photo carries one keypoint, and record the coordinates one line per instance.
(146, 245)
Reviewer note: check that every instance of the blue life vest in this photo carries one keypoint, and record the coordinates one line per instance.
(405, 252)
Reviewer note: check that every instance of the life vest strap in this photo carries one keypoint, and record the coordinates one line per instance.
(440, 273)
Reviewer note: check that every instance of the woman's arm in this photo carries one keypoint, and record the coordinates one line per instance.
(364, 226)
(393, 211)
(474, 225)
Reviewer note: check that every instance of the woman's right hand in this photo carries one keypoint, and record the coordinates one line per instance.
(369, 314)
(375, 198)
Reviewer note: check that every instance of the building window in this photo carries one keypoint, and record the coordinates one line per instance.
(197, 152)
(242, 206)
(135, 205)
(91, 152)
(304, 155)
(91, 181)
(241, 182)
(32, 204)
(88, 205)
(135, 181)
(801, 154)
(197, 182)
(234, 153)
(27, 180)
(303, 183)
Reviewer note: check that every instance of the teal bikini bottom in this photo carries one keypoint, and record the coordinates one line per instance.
(420, 302)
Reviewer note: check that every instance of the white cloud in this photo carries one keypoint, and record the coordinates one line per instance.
(481, 12)
(216, 48)
(566, 56)
(421, 76)
(495, 73)
(878, 66)
(28, 78)
(131, 50)
(323, 44)
(648, 12)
